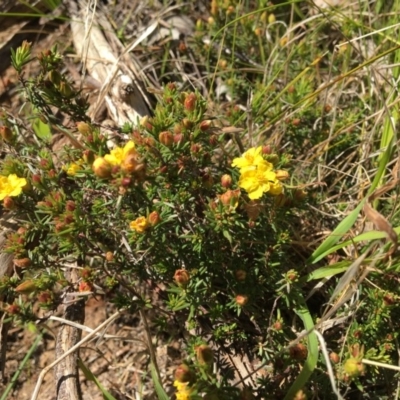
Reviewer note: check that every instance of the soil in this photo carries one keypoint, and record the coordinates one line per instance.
(121, 366)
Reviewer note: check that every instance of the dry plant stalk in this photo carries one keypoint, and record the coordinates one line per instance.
(66, 372)
(72, 350)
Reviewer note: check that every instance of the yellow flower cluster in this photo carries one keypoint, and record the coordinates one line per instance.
(11, 186)
(139, 224)
(124, 157)
(183, 392)
(256, 174)
(119, 154)
(73, 168)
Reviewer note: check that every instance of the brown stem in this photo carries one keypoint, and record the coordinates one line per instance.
(66, 372)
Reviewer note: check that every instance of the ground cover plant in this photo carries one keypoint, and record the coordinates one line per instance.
(250, 215)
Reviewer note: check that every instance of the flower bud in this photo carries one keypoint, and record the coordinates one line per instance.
(171, 86)
(70, 205)
(26, 46)
(266, 149)
(277, 325)
(183, 374)
(230, 198)
(204, 355)
(177, 128)
(273, 158)
(85, 287)
(26, 287)
(190, 102)
(271, 18)
(241, 300)
(130, 163)
(296, 121)
(187, 123)
(9, 203)
(84, 128)
(178, 138)
(22, 262)
(281, 175)
(182, 277)
(45, 298)
(109, 256)
(195, 148)
(353, 367)
(146, 122)
(44, 164)
(298, 352)
(166, 138)
(205, 125)
(214, 7)
(154, 218)
(334, 357)
(21, 230)
(102, 168)
(213, 140)
(292, 275)
(6, 133)
(226, 181)
(14, 309)
(388, 299)
(36, 179)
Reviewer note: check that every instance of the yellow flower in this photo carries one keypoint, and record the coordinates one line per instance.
(119, 154)
(72, 169)
(182, 390)
(139, 224)
(251, 159)
(101, 168)
(11, 185)
(258, 181)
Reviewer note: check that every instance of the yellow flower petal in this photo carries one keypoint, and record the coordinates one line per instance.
(139, 225)
(118, 155)
(11, 185)
(259, 181)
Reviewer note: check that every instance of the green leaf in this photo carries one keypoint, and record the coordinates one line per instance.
(41, 129)
(90, 377)
(161, 394)
(227, 236)
(313, 351)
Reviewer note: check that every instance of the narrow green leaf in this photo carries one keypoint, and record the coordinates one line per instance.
(313, 352)
(161, 394)
(90, 377)
(15, 377)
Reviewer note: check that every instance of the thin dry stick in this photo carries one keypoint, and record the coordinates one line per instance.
(90, 330)
(70, 351)
(328, 365)
(150, 344)
(381, 365)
